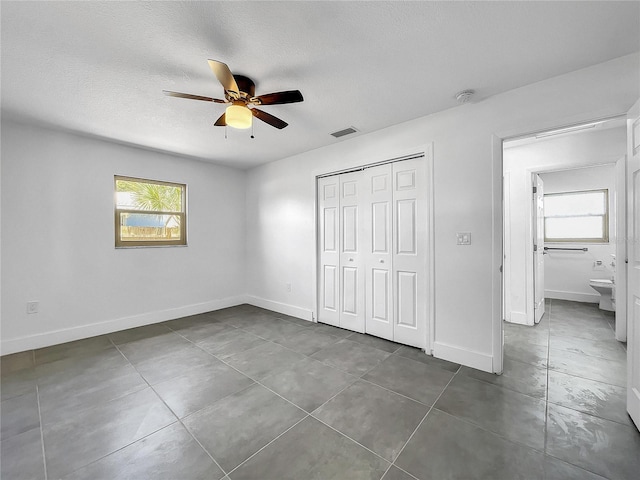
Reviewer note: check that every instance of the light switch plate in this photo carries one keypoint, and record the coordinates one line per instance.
(463, 238)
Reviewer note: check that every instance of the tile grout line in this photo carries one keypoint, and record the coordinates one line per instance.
(44, 457)
(577, 466)
(391, 465)
(248, 376)
(308, 414)
(349, 438)
(495, 434)
(266, 445)
(548, 402)
(119, 449)
(256, 382)
(304, 329)
(424, 418)
(507, 387)
(591, 414)
(178, 420)
(546, 393)
(306, 356)
(584, 378)
(582, 353)
(392, 391)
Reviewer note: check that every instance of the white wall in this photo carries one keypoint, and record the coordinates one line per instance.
(567, 274)
(552, 153)
(58, 239)
(281, 199)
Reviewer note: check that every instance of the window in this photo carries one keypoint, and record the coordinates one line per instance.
(577, 217)
(149, 213)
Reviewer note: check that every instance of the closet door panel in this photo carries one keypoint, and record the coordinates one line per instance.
(328, 254)
(407, 228)
(380, 305)
(410, 243)
(352, 271)
(407, 299)
(378, 193)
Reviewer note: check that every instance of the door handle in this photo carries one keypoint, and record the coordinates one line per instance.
(381, 261)
(351, 259)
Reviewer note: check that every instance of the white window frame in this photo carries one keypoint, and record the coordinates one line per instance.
(182, 215)
(605, 219)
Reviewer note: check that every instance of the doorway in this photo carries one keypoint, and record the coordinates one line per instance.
(586, 159)
(568, 351)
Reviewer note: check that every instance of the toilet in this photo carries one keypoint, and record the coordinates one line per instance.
(605, 289)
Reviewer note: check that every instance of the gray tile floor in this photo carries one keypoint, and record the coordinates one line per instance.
(244, 393)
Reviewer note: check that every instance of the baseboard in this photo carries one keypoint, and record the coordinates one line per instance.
(519, 317)
(56, 337)
(573, 296)
(284, 308)
(469, 358)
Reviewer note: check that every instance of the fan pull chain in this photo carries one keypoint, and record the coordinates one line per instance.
(252, 130)
(225, 132)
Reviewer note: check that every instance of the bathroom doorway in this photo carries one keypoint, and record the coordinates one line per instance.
(576, 166)
(566, 351)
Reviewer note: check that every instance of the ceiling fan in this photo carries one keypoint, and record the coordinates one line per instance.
(239, 92)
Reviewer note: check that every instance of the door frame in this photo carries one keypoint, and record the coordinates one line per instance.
(633, 321)
(621, 249)
(538, 246)
(426, 150)
(500, 236)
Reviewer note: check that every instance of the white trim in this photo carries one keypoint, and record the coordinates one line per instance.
(529, 266)
(430, 331)
(497, 255)
(573, 296)
(284, 308)
(469, 358)
(314, 268)
(620, 199)
(56, 337)
(506, 245)
(518, 317)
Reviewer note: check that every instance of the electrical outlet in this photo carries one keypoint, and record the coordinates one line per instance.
(32, 307)
(288, 286)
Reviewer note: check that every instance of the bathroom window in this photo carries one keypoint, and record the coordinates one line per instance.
(577, 217)
(149, 213)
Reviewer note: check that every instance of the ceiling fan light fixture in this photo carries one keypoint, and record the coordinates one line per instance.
(238, 116)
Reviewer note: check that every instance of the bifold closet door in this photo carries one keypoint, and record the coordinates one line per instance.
(378, 206)
(373, 251)
(329, 255)
(410, 252)
(351, 242)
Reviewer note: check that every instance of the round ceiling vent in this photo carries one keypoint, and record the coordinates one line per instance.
(464, 96)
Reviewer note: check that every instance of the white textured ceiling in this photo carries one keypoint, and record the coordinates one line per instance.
(99, 68)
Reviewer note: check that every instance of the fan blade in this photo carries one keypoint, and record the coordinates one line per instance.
(290, 96)
(192, 97)
(268, 118)
(221, 122)
(224, 75)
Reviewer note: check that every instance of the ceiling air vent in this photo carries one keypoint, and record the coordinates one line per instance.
(346, 131)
